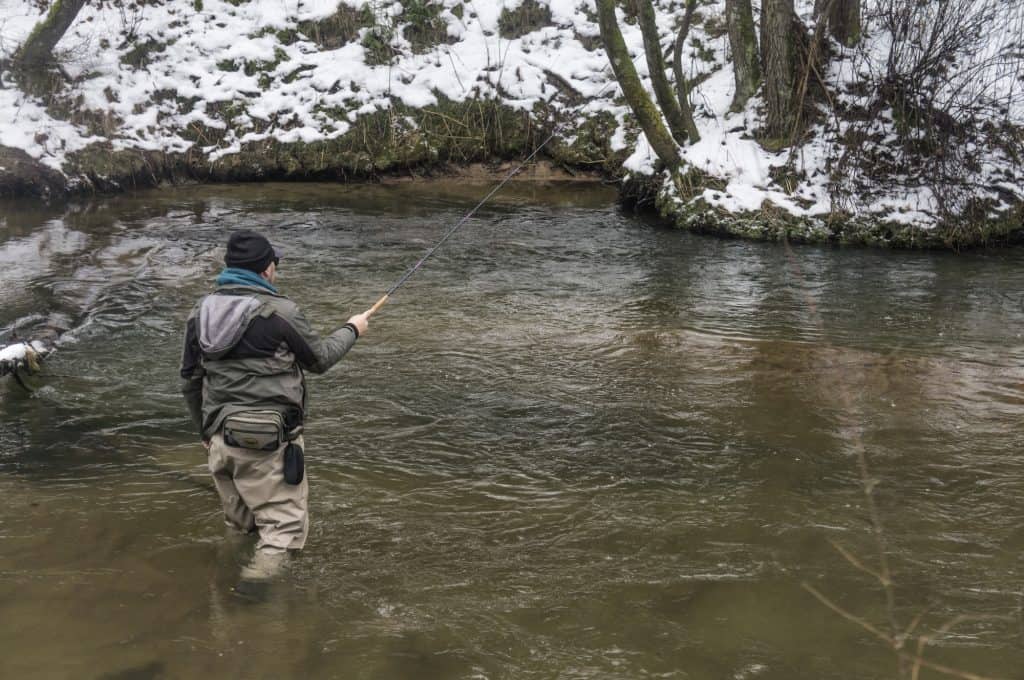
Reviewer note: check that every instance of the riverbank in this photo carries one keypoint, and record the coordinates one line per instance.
(102, 169)
(356, 91)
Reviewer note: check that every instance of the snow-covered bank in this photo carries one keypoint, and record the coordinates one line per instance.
(251, 89)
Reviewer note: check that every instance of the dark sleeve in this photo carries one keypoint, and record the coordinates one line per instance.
(313, 353)
(192, 375)
(191, 355)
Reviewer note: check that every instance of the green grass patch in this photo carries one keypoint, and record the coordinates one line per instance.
(424, 28)
(527, 18)
(339, 29)
(141, 55)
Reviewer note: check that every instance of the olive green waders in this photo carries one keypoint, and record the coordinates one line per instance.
(255, 496)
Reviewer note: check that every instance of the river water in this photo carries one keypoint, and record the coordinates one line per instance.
(574, 445)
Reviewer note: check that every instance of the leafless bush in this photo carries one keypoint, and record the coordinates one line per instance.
(951, 72)
(951, 62)
(131, 15)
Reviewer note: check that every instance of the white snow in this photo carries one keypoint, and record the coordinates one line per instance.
(19, 351)
(301, 93)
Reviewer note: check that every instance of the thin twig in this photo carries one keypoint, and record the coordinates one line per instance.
(917, 659)
(925, 640)
(852, 559)
(876, 527)
(912, 626)
(866, 625)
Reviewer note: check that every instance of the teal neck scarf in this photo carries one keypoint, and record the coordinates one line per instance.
(233, 276)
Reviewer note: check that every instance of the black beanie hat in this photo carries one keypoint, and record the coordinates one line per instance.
(249, 250)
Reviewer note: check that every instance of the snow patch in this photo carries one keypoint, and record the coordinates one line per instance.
(226, 68)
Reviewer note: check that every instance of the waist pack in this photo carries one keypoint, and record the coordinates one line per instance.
(259, 430)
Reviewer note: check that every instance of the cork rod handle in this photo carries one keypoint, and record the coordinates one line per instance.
(377, 305)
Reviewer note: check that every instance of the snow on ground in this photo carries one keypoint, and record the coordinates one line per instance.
(299, 92)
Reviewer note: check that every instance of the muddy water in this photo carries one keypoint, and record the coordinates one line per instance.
(575, 445)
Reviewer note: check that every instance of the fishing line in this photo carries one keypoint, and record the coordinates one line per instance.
(465, 218)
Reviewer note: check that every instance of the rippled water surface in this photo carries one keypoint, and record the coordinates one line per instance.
(575, 445)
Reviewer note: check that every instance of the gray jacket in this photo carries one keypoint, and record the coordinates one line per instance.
(246, 349)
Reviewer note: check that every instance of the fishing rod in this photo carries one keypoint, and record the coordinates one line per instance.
(465, 218)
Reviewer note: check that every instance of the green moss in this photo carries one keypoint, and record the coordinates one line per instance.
(294, 75)
(458, 10)
(339, 29)
(704, 53)
(226, 111)
(140, 56)
(787, 177)
(101, 123)
(402, 139)
(107, 169)
(183, 104)
(285, 36)
(377, 44)
(773, 144)
(424, 27)
(772, 223)
(982, 223)
(630, 12)
(714, 26)
(589, 42)
(263, 66)
(259, 68)
(529, 16)
(333, 112)
(590, 146)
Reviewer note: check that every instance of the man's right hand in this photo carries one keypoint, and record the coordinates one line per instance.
(361, 322)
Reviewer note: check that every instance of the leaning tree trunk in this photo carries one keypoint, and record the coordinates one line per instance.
(746, 59)
(844, 21)
(682, 87)
(643, 108)
(35, 57)
(781, 34)
(677, 112)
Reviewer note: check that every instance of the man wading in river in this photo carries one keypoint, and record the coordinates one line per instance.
(246, 347)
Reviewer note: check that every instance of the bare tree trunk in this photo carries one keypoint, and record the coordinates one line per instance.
(844, 21)
(746, 59)
(643, 108)
(677, 113)
(37, 51)
(682, 90)
(781, 34)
